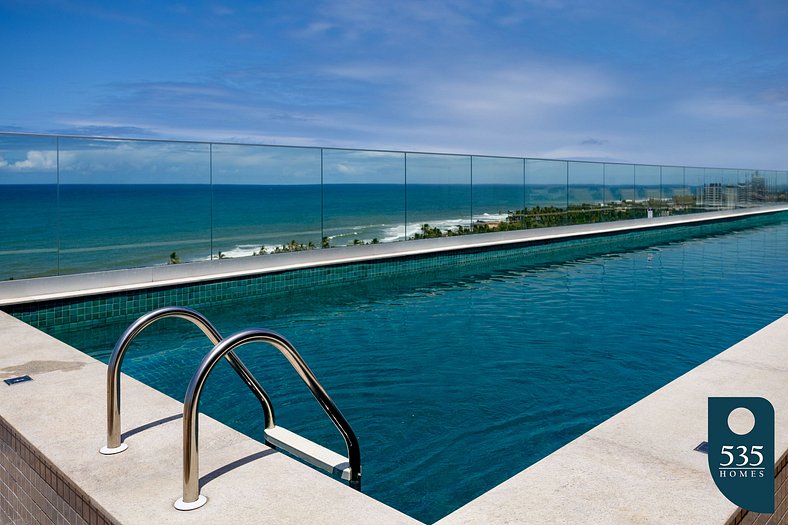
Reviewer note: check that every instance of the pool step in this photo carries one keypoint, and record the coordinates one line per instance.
(311, 452)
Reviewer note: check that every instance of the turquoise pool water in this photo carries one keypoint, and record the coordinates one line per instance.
(456, 379)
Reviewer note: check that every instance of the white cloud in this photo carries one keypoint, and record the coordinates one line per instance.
(223, 10)
(314, 29)
(492, 93)
(38, 160)
(3, 162)
(364, 72)
(721, 108)
(525, 91)
(347, 170)
(582, 153)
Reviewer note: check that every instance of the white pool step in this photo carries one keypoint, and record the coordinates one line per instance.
(303, 448)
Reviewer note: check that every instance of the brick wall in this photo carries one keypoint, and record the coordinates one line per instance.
(780, 516)
(33, 491)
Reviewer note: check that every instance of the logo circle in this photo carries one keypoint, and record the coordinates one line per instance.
(741, 421)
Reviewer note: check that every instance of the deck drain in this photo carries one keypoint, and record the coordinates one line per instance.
(703, 447)
(15, 380)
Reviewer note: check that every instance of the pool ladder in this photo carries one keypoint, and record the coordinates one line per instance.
(276, 436)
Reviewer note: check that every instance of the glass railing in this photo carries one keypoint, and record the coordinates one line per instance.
(73, 204)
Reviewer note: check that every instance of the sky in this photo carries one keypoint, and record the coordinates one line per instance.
(682, 83)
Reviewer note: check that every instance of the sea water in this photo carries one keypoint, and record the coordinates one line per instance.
(70, 228)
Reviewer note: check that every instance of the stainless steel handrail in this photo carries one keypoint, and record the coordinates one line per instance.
(191, 490)
(114, 444)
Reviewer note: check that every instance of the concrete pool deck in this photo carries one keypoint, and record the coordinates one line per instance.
(115, 281)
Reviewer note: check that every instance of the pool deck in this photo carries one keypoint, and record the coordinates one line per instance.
(85, 284)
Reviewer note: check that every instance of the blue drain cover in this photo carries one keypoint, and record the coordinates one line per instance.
(15, 380)
(703, 447)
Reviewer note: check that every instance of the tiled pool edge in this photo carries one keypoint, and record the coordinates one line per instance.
(550, 247)
(639, 466)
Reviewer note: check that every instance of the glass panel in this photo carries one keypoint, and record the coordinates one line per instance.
(266, 199)
(545, 192)
(746, 193)
(586, 193)
(715, 195)
(498, 194)
(619, 183)
(770, 184)
(439, 194)
(74, 205)
(125, 204)
(730, 177)
(363, 197)
(674, 192)
(712, 176)
(694, 179)
(781, 190)
(648, 194)
(647, 183)
(28, 207)
(737, 196)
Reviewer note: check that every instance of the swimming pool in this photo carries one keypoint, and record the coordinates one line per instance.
(457, 378)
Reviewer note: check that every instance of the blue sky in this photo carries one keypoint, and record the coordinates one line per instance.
(693, 82)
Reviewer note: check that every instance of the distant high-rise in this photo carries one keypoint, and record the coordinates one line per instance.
(757, 188)
(717, 195)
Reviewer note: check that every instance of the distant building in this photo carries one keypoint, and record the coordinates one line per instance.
(717, 195)
(757, 188)
(753, 191)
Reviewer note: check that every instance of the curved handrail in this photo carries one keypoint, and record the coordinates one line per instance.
(114, 444)
(191, 490)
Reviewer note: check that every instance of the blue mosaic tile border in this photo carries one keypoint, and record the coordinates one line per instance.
(100, 309)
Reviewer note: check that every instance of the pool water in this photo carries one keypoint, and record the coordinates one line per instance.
(456, 380)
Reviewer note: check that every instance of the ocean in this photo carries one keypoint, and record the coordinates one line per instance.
(70, 228)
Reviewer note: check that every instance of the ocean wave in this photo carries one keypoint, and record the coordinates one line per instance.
(490, 217)
(241, 250)
(367, 233)
(401, 232)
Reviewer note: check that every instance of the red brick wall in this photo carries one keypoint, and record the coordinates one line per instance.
(780, 516)
(33, 491)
